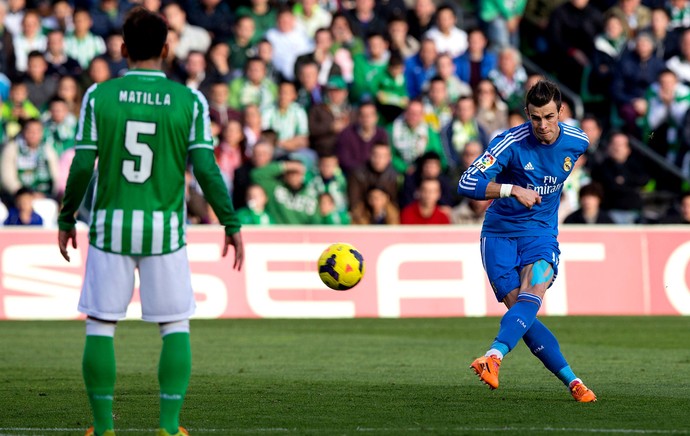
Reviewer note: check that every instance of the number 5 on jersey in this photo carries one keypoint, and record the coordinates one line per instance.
(139, 149)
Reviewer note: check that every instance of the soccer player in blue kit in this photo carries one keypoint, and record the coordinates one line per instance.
(529, 164)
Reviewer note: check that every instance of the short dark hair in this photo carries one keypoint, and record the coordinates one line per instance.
(542, 93)
(144, 33)
(593, 189)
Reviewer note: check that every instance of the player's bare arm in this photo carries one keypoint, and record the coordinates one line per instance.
(526, 197)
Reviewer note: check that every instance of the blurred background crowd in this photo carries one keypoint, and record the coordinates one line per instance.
(366, 111)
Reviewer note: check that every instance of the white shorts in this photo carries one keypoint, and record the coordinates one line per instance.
(165, 286)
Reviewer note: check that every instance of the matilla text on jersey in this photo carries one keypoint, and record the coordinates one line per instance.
(143, 97)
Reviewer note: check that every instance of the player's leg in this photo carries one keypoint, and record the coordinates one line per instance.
(106, 292)
(167, 298)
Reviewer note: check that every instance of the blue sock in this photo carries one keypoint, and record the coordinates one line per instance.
(543, 344)
(566, 375)
(519, 318)
(500, 346)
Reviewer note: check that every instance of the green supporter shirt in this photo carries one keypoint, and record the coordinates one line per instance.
(284, 205)
(364, 75)
(507, 9)
(143, 128)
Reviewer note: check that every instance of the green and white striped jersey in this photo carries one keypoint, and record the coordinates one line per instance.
(142, 126)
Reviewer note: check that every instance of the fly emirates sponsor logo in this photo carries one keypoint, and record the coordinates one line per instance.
(549, 185)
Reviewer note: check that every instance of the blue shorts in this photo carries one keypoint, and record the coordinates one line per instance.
(504, 258)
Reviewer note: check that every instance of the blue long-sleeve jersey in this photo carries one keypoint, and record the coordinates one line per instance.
(517, 157)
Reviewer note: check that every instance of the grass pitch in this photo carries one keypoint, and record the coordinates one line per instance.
(371, 376)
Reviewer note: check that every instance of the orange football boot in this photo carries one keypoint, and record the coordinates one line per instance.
(582, 393)
(486, 368)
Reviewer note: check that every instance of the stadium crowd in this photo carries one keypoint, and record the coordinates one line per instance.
(364, 111)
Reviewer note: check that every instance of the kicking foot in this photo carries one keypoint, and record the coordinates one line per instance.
(582, 393)
(180, 432)
(486, 368)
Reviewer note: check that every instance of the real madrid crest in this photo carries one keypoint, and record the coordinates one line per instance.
(568, 164)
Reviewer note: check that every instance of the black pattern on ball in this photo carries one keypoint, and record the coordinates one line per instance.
(359, 258)
(329, 268)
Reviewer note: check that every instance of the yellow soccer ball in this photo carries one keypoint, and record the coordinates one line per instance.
(341, 266)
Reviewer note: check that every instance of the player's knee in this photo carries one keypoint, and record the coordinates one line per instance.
(97, 327)
(174, 327)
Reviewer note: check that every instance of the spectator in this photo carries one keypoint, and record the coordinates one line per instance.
(17, 110)
(117, 64)
(420, 68)
(665, 39)
(214, 16)
(288, 119)
(533, 28)
(60, 126)
(420, 18)
(635, 16)
(446, 70)
(437, 108)
(680, 216)
(462, 129)
(251, 122)
(310, 91)
(344, 37)
(311, 16)
(68, 90)
(262, 155)
(63, 17)
(98, 72)
(390, 90)
(595, 151)
(411, 137)
(368, 66)
(573, 27)
(173, 66)
(191, 38)
(379, 172)
(668, 102)
(328, 119)
(290, 199)
(608, 48)
(40, 87)
(622, 179)
(476, 63)
(23, 214)
(680, 64)
(230, 152)
(196, 76)
(376, 209)
(321, 56)
(679, 11)
(241, 43)
(329, 214)
(255, 211)
(7, 58)
(288, 41)
(509, 77)
(15, 15)
(445, 34)
(469, 211)
(428, 166)
(219, 111)
(108, 17)
(29, 39)
(263, 15)
(83, 45)
(502, 21)
(425, 210)
(253, 88)
(353, 145)
(364, 21)
(399, 38)
(28, 161)
(590, 211)
(635, 73)
(579, 177)
(492, 112)
(472, 151)
(331, 180)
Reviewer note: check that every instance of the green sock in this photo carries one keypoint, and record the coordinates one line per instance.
(174, 371)
(98, 367)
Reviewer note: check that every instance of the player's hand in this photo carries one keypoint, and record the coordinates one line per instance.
(236, 241)
(64, 237)
(526, 197)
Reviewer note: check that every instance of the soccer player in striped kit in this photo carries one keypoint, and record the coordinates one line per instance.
(143, 128)
(519, 245)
